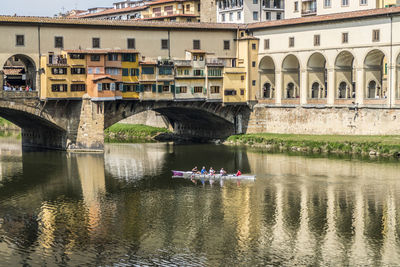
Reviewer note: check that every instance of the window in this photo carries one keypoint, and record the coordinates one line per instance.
(255, 2)
(198, 89)
(78, 87)
(97, 70)
(345, 37)
(112, 57)
(112, 71)
(255, 15)
(215, 72)
(165, 70)
(253, 82)
(223, 17)
(58, 42)
(164, 44)
(229, 92)
(268, 15)
(317, 40)
(188, 8)
(242, 78)
(241, 91)
(227, 45)
(183, 90)
(296, 6)
(20, 40)
(147, 87)
(90, 71)
(278, 15)
(106, 86)
(59, 71)
(214, 89)
(266, 44)
(198, 73)
(59, 87)
(201, 58)
(239, 15)
(78, 71)
(194, 58)
(125, 72)
(147, 70)
(186, 72)
(253, 64)
(165, 88)
(253, 46)
(129, 57)
(77, 56)
(96, 42)
(95, 58)
(291, 41)
(363, 2)
(196, 44)
(327, 3)
(231, 16)
(345, 2)
(375, 36)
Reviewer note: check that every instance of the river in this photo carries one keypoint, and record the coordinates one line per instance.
(123, 208)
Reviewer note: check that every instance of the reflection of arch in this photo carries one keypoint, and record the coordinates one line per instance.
(344, 75)
(268, 91)
(375, 74)
(20, 70)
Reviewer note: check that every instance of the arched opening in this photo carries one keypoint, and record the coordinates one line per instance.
(267, 75)
(19, 74)
(268, 92)
(345, 76)
(375, 68)
(316, 68)
(291, 77)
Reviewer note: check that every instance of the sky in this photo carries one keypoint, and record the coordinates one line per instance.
(47, 7)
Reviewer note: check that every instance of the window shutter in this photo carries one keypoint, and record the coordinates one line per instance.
(124, 88)
(137, 72)
(192, 90)
(177, 90)
(201, 73)
(154, 88)
(160, 88)
(121, 87)
(112, 86)
(172, 88)
(141, 88)
(99, 87)
(205, 90)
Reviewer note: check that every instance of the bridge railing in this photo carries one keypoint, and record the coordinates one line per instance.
(18, 94)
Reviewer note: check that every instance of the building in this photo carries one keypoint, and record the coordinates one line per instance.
(248, 11)
(208, 11)
(173, 10)
(304, 8)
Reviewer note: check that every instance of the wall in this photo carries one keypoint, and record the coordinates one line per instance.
(149, 118)
(208, 11)
(324, 121)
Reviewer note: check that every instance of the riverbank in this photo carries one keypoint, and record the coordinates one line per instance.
(126, 133)
(385, 146)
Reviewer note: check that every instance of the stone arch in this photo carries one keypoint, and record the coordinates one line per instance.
(291, 76)
(317, 73)
(267, 76)
(19, 70)
(345, 72)
(375, 69)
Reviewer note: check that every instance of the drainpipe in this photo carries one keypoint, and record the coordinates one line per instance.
(39, 71)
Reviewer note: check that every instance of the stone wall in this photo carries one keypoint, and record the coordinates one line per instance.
(149, 118)
(208, 11)
(344, 121)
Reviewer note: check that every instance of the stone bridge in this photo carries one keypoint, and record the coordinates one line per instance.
(79, 125)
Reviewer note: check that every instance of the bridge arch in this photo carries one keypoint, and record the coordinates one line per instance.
(317, 76)
(267, 73)
(375, 71)
(20, 70)
(345, 75)
(291, 77)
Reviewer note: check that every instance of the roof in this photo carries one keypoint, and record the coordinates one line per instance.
(43, 21)
(325, 18)
(101, 51)
(172, 16)
(148, 63)
(96, 79)
(197, 51)
(110, 11)
(165, 2)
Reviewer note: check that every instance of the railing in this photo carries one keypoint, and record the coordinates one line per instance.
(215, 61)
(306, 12)
(18, 94)
(183, 63)
(58, 60)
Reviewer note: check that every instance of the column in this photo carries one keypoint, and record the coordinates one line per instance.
(278, 86)
(303, 86)
(360, 86)
(331, 86)
(392, 86)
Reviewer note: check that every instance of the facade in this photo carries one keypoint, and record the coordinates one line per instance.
(249, 11)
(208, 11)
(304, 8)
(173, 10)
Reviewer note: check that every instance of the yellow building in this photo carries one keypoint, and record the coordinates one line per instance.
(173, 10)
(386, 3)
(64, 76)
(130, 75)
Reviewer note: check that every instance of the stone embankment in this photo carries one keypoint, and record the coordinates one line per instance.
(383, 146)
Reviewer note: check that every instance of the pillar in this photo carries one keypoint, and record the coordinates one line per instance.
(360, 87)
(303, 86)
(278, 87)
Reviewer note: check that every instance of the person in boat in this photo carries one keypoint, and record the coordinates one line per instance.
(238, 173)
(222, 172)
(212, 171)
(195, 170)
(203, 171)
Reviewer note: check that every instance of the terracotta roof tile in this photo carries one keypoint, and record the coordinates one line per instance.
(165, 2)
(109, 11)
(325, 18)
(95, 79)
(172, 16)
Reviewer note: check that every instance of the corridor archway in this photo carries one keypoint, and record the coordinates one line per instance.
(19, 72)
(317, 81)
(375, 69)
(267, 75)
(345, 76)
(291, 77)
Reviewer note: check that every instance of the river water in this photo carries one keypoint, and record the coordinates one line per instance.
(123, 208)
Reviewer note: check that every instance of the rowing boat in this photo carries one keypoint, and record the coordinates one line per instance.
(191, 175)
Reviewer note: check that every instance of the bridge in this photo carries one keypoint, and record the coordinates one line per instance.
(65, 80)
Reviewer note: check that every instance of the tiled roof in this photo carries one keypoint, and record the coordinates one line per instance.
(199, 51)
(325, 18)
(172, 16)
(117, 23)
(165, 2)
(110, 11)
(103, 78)
(101, 51)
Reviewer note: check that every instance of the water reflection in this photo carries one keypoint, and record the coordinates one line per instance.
(124, 208)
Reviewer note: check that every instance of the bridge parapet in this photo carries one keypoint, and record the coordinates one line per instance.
(18, 95)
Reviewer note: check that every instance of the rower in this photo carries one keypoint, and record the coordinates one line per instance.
(222, 172)
(194, 170)
(203, 170)
(238, 173)
(212, 171)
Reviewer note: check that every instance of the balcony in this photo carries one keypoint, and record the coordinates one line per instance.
(309, 12)
(214, 62)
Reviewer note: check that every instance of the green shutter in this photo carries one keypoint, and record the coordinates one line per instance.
(142, 88)
(172, 88)
(177, 90)
(124, 88)
(205, 90)
(137, 88)
(201, 72)
(192, 90)
(137, 72)
(160, 88)
(154, 88)
(99, 87)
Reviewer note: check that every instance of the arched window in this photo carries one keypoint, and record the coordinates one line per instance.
(372, 92)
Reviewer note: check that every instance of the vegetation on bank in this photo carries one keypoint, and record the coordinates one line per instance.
(132, 133)
(360, 144)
